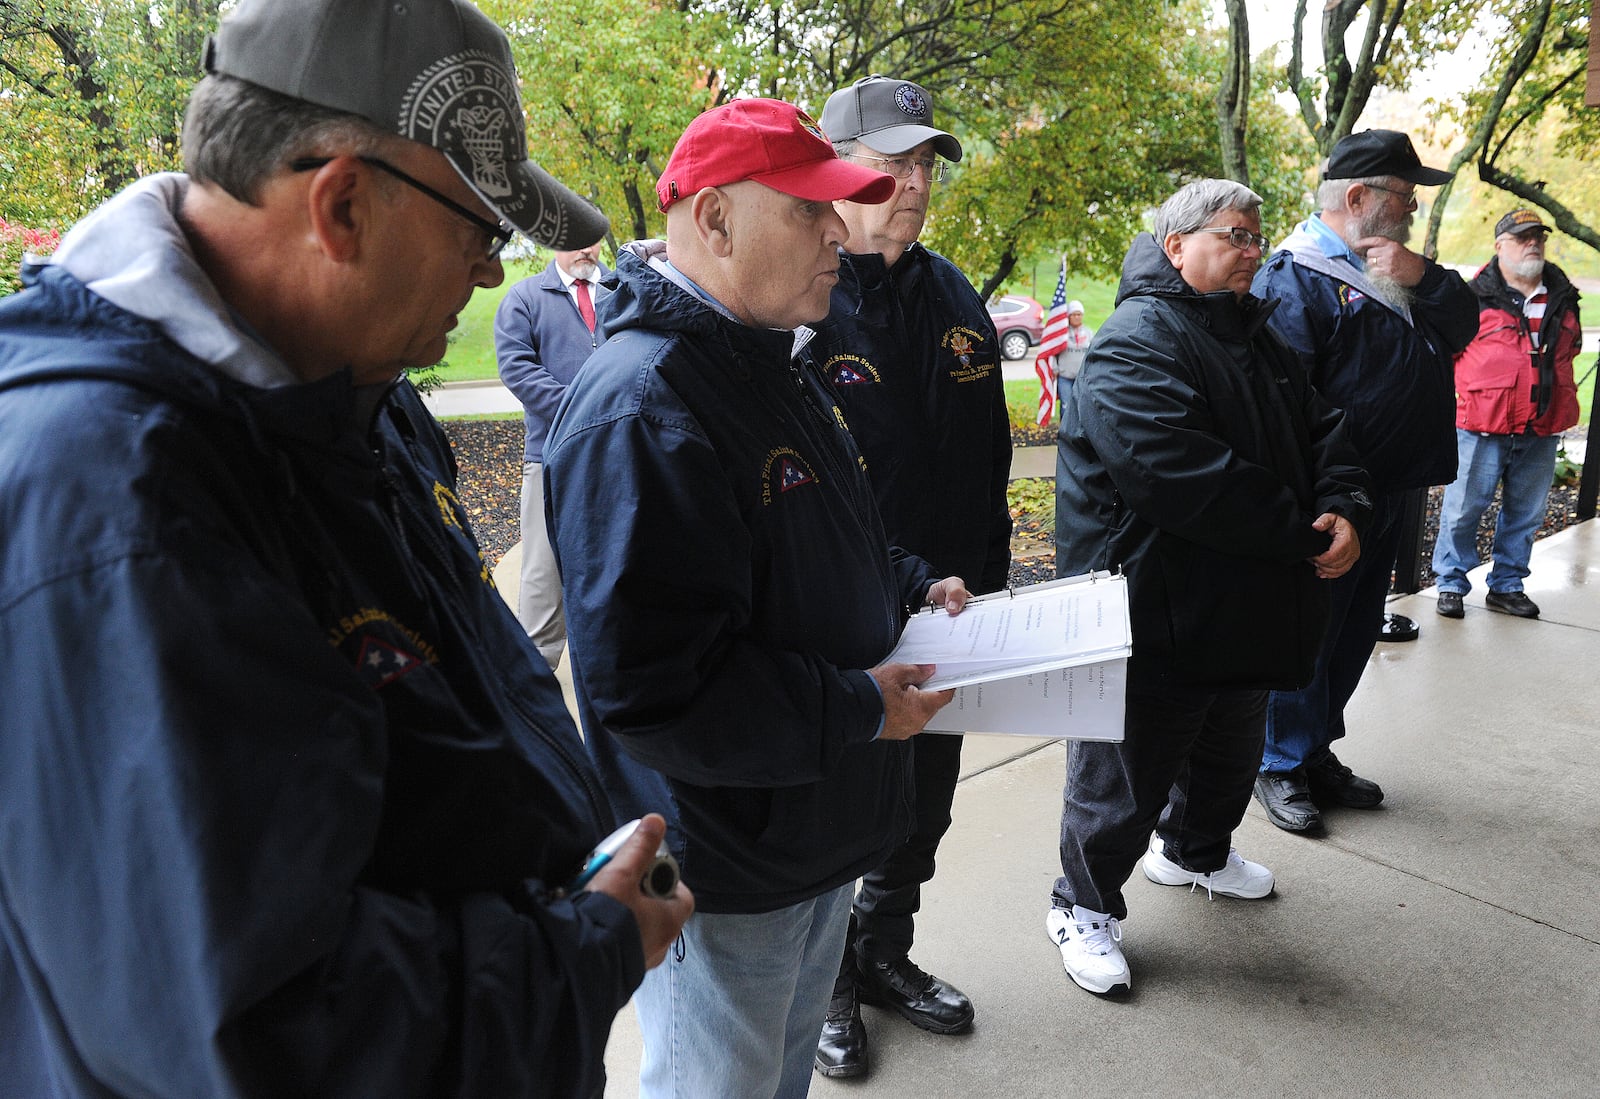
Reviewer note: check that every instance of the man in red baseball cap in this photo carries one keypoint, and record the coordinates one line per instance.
(729, 591)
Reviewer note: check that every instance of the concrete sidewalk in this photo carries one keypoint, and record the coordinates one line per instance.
(1445, 945)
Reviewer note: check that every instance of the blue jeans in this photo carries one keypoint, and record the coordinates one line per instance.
(1184, 768)
(739, 1015)
(1521, 465)
(1302, 724)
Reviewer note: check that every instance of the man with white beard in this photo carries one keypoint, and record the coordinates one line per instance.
(1514, 396)
(544, 330)
(1377, 327)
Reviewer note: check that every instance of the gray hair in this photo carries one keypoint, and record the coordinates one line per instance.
(237, 134)
(1195, 204)
(847, 148)
(1330, 192)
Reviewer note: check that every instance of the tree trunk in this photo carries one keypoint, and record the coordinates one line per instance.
(1233, 96)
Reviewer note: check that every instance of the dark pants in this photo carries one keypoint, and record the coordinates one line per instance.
(1185, 767)
(1302, 724)
(890, 895)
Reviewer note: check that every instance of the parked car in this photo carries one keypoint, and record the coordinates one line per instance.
(1019, 320)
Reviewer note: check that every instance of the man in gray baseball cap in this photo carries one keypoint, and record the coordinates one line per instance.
(291, 805)
(912, 355)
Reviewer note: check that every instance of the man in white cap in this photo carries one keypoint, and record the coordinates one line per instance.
(730, 592)
(1515, 394)
(912, 355)
(290, 806)
(1075, 349)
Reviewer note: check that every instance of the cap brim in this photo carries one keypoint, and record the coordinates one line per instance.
(1530, 227)
(1425, 177)
(895, 140)
(831, 181)
(541, 208)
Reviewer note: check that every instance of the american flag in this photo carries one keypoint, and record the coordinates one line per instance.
(1051, 344)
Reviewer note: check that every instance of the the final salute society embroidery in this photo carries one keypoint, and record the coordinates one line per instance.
(784, 470)
(850, 370)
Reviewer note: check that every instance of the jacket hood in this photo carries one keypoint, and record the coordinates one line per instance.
(1147, 273)
(654, 296)
(132, 252)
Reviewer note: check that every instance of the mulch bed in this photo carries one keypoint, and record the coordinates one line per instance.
(489, 456)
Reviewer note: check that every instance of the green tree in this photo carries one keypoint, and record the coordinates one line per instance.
(608, 85)
(91, 96)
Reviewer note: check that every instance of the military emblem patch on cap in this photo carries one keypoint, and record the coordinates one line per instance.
(909, 98)
(465, 101)
(1520, 221)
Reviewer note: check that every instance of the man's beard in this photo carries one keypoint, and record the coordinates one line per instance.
(1398, 230)
(1391, 291)
(1530, 268)
(1376, 225)
(584, 269)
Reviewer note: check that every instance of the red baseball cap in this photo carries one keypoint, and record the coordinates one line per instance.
(773, 143)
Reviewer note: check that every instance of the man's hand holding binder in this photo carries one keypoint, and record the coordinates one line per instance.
(906, 706)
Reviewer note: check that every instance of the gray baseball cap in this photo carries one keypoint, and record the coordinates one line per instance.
(890, 115)
(437, 72)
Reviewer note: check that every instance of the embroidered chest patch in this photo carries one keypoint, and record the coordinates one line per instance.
(964, 346)
(785, 470)
(844, 370)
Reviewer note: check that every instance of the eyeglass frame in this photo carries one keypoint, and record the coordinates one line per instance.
(1412, 202)
(1256, 239)
(499, 234)
(934, 170)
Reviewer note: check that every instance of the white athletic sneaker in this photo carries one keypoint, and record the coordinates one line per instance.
(1240, 878)
(1089, 950)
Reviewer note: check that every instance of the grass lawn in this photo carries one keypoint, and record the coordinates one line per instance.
(471, 354)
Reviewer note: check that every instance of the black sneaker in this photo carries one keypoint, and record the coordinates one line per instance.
(1332, 783)
(1287, 800)
(1450, 605)
(1512, 602)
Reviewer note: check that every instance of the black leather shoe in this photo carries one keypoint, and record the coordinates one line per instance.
(1287, 800)
(1397, 627)
(920, 998)
(842, 1049)
(1450, 605)
(1332, 783)
(1512, 602)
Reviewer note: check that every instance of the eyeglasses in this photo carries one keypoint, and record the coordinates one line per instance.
(901, 167)
(1410, 197)
(1240, 237)
(496, 235)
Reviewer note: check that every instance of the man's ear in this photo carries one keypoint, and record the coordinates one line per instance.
(712, 216)
(1355, 198)
(339, 207)
(1173, 247)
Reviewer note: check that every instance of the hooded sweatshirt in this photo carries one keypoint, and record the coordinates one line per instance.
(284, 792)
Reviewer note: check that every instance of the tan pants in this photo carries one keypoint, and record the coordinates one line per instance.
(539, 591)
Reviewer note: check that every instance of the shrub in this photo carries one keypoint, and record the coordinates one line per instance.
(15, 240)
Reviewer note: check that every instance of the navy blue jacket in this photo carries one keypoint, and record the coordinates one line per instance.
(913, 357)
(1195, 456)
(725, 574)
(1395, 382)
(540, 341)
(282, 784)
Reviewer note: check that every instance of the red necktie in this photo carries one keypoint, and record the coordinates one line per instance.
(585, 305)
